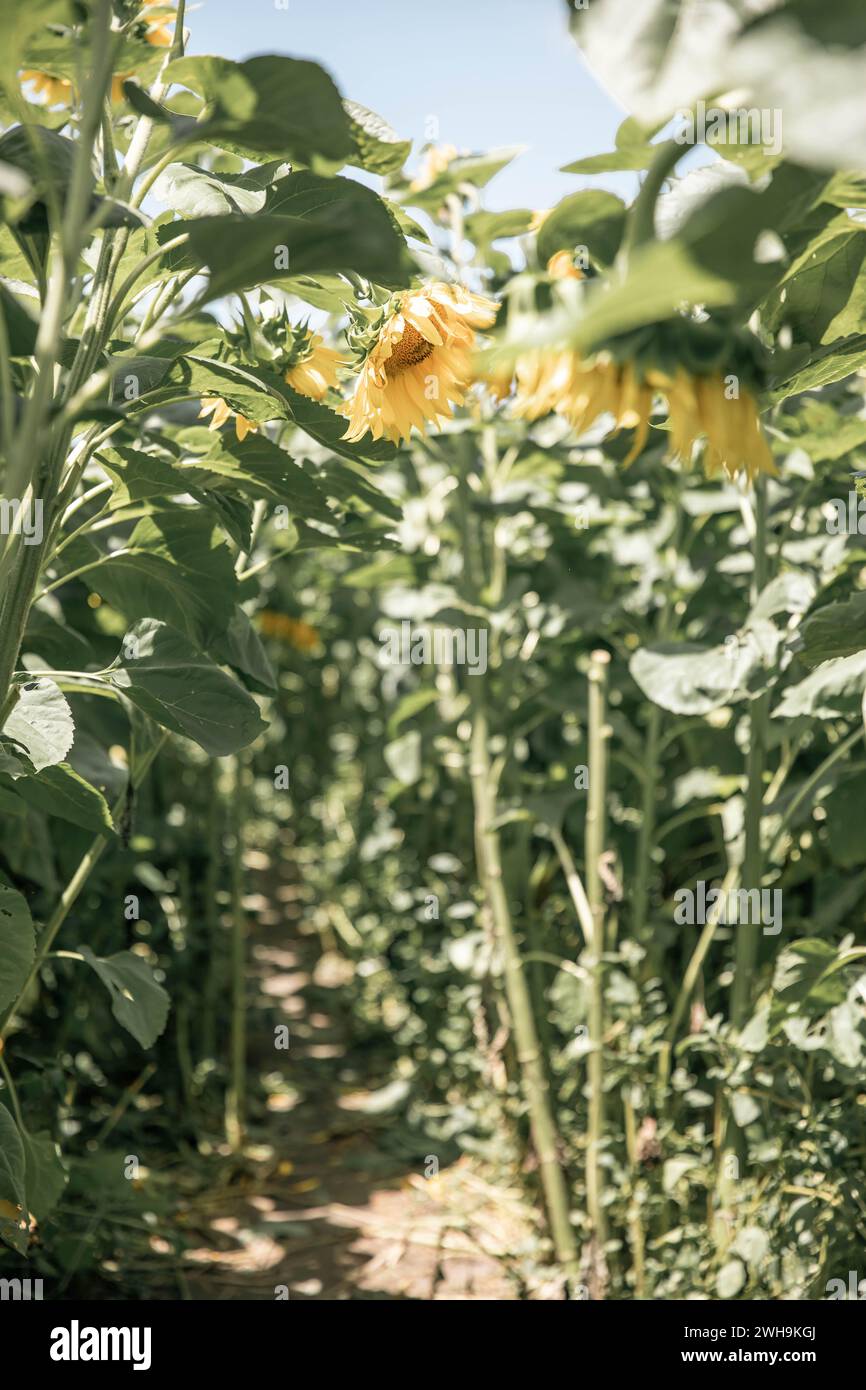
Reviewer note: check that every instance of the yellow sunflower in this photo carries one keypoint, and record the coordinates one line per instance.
(582, 390)
(700, 406)
(316, 372)
(56, 91)
(158, 27)
(420, 364)
(220, 412)
(157, 33)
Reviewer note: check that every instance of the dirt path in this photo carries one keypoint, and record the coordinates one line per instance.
(326, 1209)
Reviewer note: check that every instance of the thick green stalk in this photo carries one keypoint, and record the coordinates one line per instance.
(533, 1075)
(753, 856)
(646, 835)
(211, 916)
(742, 989)
(651, 763)
(595, 840)
(641, 222)
(32, 465)
(236, 1097)
(37, 460)
(488, 849)
(637, 1234)
(518, 871)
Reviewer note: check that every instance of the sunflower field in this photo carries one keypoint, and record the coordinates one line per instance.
(432, 670)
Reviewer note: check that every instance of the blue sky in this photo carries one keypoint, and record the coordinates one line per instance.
(491, 72)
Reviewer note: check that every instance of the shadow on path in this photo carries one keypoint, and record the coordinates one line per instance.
(324, 1210)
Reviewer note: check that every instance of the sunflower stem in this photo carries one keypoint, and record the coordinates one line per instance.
(488, 848)
(595, 840)
(641, 223)
(733, 1149)
(236, 1098)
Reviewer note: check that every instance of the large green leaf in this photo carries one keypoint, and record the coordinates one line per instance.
(309, 225)
(821, 297)
(175, 567)
(47, 160)
(257, 467)
(633, 151)
(377, 148)
(17, 944)
(241, 648)
(714, 261)
(833, 688)
(655, 57)
(12, 1181)
(261, 396)
(60, 791)
(197, 192)
(41, 722)
(24, 23)
(52, 638)
(185, 691)
(689, 679)
(269, 105)
(44, 1174)
(837, 629)
(140, 476)
(825, 435)
(138, 1003)
(660, 56)
(591, 218)
(328, 429)
(807, 63)
(726, 234)
(344, 480)
(831, 363)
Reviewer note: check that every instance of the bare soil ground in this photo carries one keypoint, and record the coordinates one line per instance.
(323, 1208)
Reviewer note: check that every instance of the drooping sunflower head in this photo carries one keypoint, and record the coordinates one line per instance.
(686, 366)
(420, 363)
(725, 415)
(312, 365)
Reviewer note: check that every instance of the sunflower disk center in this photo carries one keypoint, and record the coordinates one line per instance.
(409, 351)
